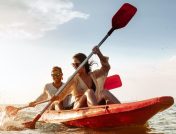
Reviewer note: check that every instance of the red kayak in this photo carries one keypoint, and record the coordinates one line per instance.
(114, 115)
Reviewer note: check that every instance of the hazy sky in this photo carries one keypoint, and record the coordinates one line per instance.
(36, 35)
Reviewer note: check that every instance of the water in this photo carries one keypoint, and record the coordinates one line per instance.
(162, 123)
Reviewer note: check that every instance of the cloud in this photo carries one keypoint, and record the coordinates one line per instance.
(31, 19)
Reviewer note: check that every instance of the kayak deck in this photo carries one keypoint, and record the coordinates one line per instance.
(114, 115)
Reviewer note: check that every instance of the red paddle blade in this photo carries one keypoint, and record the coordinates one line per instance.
(11, 110)
(30, 125)
(123, 16)
(112, 82)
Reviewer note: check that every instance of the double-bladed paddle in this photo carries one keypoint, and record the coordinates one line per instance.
(119, 20)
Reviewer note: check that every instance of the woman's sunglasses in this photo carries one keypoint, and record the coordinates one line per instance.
(76, 65)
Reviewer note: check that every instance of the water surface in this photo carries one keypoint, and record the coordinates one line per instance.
(162, 123)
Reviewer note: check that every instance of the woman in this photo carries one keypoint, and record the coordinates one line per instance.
(87, 85)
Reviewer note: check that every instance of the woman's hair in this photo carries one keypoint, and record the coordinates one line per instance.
(81, 57)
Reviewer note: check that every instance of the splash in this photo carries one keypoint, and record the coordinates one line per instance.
(9, 123)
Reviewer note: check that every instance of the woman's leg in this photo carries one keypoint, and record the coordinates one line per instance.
(88, 99)
(68, 103)
(57, 106)
(82, 102)
(109, 97)
(91, 98)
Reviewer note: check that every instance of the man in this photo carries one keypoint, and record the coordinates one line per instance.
(50, 90)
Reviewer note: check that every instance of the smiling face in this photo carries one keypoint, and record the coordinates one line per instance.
(57, 74)
(76, 63)
(77, 60)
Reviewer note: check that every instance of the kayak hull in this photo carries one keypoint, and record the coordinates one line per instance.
(114, 115)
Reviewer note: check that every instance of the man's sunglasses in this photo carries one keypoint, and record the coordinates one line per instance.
(56, 75)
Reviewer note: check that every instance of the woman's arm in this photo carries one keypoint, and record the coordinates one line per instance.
(104, 62)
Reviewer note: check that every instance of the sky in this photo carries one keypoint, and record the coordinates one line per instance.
(36, 35)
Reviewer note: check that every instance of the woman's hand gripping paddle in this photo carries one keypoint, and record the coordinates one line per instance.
(119, 20)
